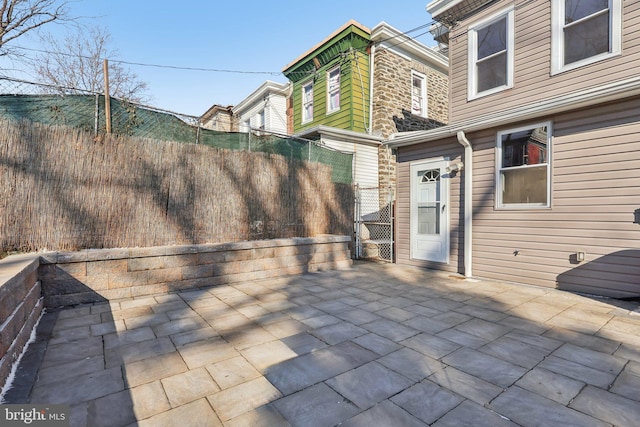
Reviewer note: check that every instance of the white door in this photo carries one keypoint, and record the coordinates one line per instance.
(429, 211)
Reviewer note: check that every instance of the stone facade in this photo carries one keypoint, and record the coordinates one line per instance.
(392, 105)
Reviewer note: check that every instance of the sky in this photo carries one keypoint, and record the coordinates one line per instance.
(256, 38)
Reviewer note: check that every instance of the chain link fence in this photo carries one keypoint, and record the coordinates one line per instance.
(374, 224)
(20, 99)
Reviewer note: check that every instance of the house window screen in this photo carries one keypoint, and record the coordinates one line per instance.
(491, 64)
(524, 167)
(586, 29)
(333, 90)
(307, 102)
(418, 95)
(429, 201)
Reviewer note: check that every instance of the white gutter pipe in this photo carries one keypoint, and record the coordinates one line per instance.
(372, 57)
(468, 201)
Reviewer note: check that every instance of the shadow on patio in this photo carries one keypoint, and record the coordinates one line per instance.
(376, 345)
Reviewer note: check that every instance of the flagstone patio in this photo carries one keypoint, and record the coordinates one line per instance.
(377, 344)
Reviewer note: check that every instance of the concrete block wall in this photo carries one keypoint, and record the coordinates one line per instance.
(28, 283)
(70, 278)
(20, 307)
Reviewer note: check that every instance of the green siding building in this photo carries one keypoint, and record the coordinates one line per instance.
(331, 82)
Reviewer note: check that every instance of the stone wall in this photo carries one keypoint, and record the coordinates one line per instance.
(20, 307)
(392, 105)
(70, 278)
(30, 282)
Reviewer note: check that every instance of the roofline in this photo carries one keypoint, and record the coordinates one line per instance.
(384, 31)
(622, 89)
(345, 135)
(437, 7)
(213, 108)
(266, 87)
(326, 40)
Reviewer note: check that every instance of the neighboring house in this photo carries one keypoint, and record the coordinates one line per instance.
(358, 86)
(330, 98)
(410, 88)
(264, 109)
(535, 179)
(218, 118)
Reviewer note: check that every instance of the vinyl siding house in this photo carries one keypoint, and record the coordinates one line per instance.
(535, 179)
(264, 109)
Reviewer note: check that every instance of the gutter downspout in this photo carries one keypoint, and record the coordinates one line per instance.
(372, 57)
(468, 201)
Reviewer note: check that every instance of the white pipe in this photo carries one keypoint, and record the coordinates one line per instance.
(372, 57)
(468, 201)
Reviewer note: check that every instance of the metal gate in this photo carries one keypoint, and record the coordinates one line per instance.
(374, 224)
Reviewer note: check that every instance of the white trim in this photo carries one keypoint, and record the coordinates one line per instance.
(341, 134)
(264, 90)
(585, 98)
(423, 93)
(304, 119)
(406, 47)
(329, 71)
(445, 230)
(437, 7)
(499, 205)
(557, 37)
(472, 83)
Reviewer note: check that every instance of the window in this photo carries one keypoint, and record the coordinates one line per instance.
(491, 55)
(584, 31)
(307, 102)
(333, 90)
(260, 120)
(418, 94)
(523, 172)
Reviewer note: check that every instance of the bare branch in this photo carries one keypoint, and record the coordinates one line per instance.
(77, 62)
(18, 17)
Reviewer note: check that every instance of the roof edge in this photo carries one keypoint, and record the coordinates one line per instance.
(628, 88)
(267, 86)
(326, 40)
(384, 31)
(346, 135)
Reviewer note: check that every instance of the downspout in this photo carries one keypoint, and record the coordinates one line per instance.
(468, 201)
(372, 57)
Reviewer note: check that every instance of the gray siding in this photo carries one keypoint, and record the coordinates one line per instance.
(595, 191)
(448, 148)
(532, 79)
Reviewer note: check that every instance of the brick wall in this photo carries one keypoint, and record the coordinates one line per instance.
(392, 105)
(20, 307)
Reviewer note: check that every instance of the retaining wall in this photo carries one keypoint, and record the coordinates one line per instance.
(53, 279)
(20, 307)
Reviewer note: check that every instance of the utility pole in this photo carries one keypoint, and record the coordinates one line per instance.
(107, 97)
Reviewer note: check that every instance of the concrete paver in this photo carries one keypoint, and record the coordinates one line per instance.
(376, 344)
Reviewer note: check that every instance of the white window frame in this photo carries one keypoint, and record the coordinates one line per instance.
(305, 118)
(473, 53)
(557, 37)
(498, 162)
(333, 91)
(261, 120)
(423, 93)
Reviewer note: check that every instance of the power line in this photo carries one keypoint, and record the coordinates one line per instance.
(141, 64)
